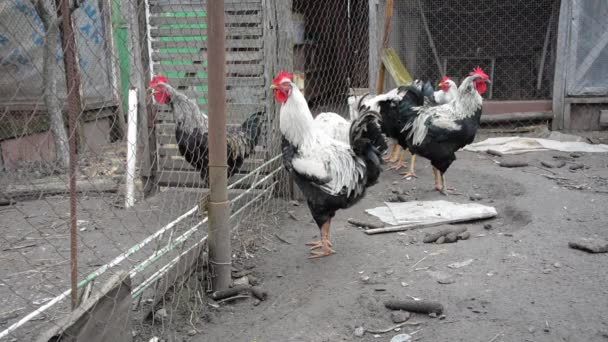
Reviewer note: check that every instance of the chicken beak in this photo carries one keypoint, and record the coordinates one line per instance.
(273, 87)
(488, 81)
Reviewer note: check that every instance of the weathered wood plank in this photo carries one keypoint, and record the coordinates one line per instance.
(561, 65)
(200, 32)
(231, 56)
(168, 163)
(243, 69)
(171, 150)
(230, 81)
(248, 97)
(232, 109)
(255, 43)
(159, 8)
(230, 19)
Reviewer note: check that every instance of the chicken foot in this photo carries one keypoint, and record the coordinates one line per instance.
(392, 157)
(401, 162)
(325, 244)
(411, 172)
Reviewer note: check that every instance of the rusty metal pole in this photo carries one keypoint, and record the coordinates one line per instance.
(219, 232)
(73, 89)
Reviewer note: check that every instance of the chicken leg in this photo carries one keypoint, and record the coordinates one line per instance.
(401, 162)
(411, 172)
(444, 187)
(324, 243)
(438, 179)
(392, 157)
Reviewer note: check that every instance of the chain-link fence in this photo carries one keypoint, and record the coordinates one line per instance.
(141, 229)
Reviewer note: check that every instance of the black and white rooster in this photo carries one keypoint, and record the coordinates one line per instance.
(332, 174)
(191, 130)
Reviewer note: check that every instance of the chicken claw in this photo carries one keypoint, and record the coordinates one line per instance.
(317, 244)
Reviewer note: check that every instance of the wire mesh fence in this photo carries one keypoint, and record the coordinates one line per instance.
(157, 247)
(156, 50)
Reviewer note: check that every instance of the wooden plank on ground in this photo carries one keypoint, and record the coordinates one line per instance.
(230, 19)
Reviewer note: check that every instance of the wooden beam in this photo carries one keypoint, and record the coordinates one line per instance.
(561, 63)
(388, 13)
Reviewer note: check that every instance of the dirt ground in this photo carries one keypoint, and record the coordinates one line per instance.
(524, 284)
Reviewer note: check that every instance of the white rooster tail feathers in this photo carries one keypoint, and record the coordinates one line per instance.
(369, 143)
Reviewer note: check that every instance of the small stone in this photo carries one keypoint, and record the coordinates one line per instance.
(294, 203)
(446, 281)
(365, 279)
(400, 316)
(476, 311)
(464, 236)
(389, 272)
(487, 226)
(161, 313)
(241, 281)
(531, 329)
(547, 271)
(442, 317)
(359, 331)
(253, 281)
(257, 302)
(440, 240)
(433, 315)
(576, 154)
(279, 275)
(404, 284)
(576, 166)
(401, 338)
(192, 332)
(546, 329)
(476, 197)
(557, 265)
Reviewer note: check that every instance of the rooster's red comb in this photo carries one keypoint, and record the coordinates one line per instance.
(282, 75)
(157, 79)
(444, 79)
(479, 71)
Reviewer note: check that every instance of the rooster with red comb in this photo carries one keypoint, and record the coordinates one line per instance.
(331, 174)
(437, 132)
(191, 130)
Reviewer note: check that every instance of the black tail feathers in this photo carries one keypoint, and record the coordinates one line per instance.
(369, 143)
(253, 127)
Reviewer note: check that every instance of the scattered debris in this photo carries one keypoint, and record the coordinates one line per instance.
(28, 245)
(590, 245)
(433, 237)
(464, 236)
(421, 214)
(442, 277)
(401, 338)
(364, 224)
(487, 226)
(531, 329)
(282, 239)
(400, 316)
(475, 197)
(547, 271)
(384, 331)
(418, 306)
(294, 203)
(292, 214)
(557, 265)
(359, 331)
(553, 165)
(460, 264)
(42, 301)
(234, 291)
(241, 281)
(513, 163)
(577, 166)
(161, 314)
